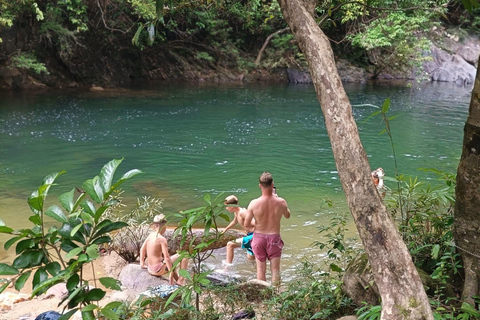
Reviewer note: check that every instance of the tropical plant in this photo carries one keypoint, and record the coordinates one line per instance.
(198, 247)
(60, 254)
(28, 61)
(128, 241)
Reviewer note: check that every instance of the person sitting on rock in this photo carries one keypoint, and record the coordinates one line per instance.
(154, 254)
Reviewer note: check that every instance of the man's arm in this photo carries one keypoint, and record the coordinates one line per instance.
(249, 216)
(286, 213)
(143, 253)
(231, 224)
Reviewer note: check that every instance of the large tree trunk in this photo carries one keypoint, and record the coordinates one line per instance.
(400, 287)
(467, 216)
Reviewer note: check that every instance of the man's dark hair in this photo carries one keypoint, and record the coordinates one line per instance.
(266, 179)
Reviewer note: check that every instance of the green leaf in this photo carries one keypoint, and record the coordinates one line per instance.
(335, 268)
(75, 230)
(92, 187)
(100, 240)
(67, 200)
(40, 276)
(53, 268)
(107, 173)
(435, 251)
(386, 105)
(184, 273)
(110, 227)
(23, 260)
(35, 202)
(89, 207)
(73, 282)
(110, 314)
(6, 270)
(92, 251)
(82, 257)
(45, 285)
(172, 296)
(86, 217)
(113, 305)
(111, 283)
(35, 219)
(10, 242)
(4, 286)
(95, 295)
(468, 308)
(24, 245)
(208, 198)
(56, 213)
(68, 315)
(90, 307)
(201, 246)
(73, 253)
(79, 201)
(67, 245)
(88, 315)
(130, 174)
(4, 229)
(136, 37)
(21, 280)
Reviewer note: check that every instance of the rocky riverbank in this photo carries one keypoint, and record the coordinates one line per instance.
(451, 58)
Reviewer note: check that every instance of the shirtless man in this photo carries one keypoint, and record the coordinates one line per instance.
(155, 251)
(239, 215)
(267, 210)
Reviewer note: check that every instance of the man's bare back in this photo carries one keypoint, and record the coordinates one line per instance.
(267, 211)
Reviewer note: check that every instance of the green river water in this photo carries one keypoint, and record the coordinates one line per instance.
(190, 140)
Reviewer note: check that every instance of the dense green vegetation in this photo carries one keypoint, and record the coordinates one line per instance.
(222, 34)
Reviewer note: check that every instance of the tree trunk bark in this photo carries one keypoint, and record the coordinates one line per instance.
(400, 287)
(466, 229)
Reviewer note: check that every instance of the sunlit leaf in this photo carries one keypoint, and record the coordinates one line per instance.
(67, 200)
(56, 213)
(111, 283)
(73, 253)
(75, 230)
(107, 173)
(92, 251)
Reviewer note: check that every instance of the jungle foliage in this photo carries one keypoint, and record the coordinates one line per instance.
(381, 34)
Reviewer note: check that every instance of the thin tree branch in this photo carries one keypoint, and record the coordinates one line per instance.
(259, 56)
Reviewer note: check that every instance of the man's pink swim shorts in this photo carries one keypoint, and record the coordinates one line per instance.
(267, 246)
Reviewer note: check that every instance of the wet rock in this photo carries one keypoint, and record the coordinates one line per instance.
(222, 279)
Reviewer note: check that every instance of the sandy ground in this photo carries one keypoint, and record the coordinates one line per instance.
(18, 305)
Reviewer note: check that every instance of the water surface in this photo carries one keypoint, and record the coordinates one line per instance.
(190, 140)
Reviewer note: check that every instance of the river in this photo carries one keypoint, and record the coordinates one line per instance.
(190, 140)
